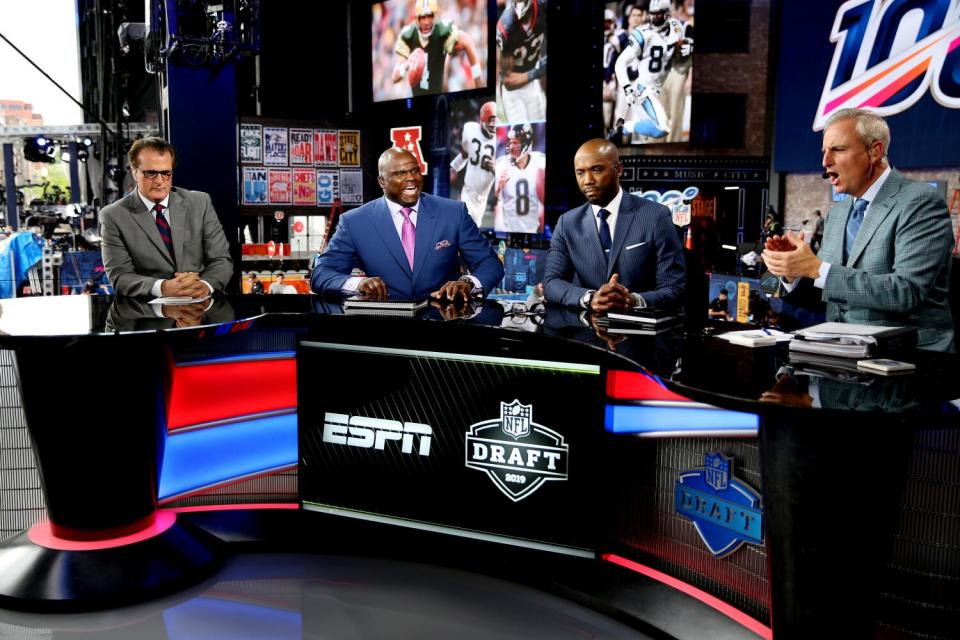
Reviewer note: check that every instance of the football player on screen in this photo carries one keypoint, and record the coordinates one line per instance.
(652, 45)
(519, 190)
(423, 47)
(522, 60)
(478, 146)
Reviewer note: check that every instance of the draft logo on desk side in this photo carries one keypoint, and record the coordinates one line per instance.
(725, 511)
(516, 453)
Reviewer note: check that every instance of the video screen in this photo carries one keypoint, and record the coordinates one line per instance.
(522, 61)
(425, 47)
(473, 148)
(520, 171)
(648, 67)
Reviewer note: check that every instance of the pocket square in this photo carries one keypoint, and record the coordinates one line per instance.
(634, 246)
(443, 244)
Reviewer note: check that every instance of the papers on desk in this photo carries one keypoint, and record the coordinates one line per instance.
(360, 305)
(180, 299)
(848, 340)
(755, 337)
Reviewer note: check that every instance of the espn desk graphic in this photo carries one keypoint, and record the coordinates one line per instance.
(488, 447)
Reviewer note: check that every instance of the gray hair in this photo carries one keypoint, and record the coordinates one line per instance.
(870, 127)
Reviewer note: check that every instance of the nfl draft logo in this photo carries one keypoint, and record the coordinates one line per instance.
(517, 454)
(725, 511)
(888, 54)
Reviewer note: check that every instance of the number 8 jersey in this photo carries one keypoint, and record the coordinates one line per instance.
(519, 207)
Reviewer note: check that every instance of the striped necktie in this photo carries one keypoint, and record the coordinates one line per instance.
(164, 228)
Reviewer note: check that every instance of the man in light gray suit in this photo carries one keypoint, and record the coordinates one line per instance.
(616, 251)
(885, 257)
(159, 240)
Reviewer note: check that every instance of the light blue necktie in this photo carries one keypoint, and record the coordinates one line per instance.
(853, 226)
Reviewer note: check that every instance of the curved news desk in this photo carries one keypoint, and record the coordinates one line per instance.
(781, 496)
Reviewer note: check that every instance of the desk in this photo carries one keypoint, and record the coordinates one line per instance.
(858, 528)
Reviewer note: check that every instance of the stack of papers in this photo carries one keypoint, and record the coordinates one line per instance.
(358, 305)
(642, 321)
(755, 337)
(848, 340)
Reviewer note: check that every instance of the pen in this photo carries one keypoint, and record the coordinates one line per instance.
(766, 331)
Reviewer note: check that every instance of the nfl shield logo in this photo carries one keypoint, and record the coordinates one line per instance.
(716, 471)
(681, 213)
(515, 419)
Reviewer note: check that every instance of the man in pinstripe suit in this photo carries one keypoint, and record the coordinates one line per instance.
(885, 257)
(617, 250)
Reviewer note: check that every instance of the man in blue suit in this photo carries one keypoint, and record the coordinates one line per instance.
(618, 250)
(408, 243)
(885, 257)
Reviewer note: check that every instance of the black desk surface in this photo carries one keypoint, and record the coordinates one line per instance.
(689, 361)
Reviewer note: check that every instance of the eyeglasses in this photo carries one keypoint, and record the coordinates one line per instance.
(150, 174)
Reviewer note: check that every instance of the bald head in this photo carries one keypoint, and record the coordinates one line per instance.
(400, 176)
(598, 169)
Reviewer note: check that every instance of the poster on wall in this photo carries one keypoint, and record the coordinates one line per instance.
(280, 187)
(301, 146)
(275, 145)
(254, 185)
(305, 187)
(426, 48)
(519, 173)
(325, 147)
(328, 186)
(898, 59)
(251, 143)
(647, 71)
(351, 186)
(473, 146)
(522, 62)
(348, 142)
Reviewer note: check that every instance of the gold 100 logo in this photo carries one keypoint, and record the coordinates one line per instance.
(888, 53)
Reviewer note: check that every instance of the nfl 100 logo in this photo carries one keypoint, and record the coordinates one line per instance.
(725, 511)
(516, 453)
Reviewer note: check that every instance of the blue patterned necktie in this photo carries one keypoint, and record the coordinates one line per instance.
(853, 226)
(604, 229)
(164, 228)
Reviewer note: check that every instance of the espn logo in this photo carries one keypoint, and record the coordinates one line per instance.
(373, 433)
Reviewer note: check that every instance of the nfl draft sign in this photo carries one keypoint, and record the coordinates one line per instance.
(517, 454)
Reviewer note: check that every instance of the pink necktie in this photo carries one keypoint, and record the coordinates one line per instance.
(408, 234)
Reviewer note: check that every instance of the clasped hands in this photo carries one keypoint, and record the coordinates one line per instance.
(789, 257)
(454, 291)
(186, 284)
(612, 296)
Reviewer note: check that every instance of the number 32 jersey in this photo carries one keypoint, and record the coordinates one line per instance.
(520, 206)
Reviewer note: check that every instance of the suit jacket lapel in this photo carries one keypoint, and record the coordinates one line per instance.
(383, 224)
(625, 219)
(879, 209)
(587, 228)
(144, 218)
(427, 227)
(177, 216)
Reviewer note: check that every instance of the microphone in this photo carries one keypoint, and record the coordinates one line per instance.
(825, 176)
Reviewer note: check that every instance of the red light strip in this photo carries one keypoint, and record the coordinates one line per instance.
(42, 535)
(631, 385)
(711, 601)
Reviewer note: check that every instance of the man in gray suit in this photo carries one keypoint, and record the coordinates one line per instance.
(885, 257)
(159, 240)
(616, 251)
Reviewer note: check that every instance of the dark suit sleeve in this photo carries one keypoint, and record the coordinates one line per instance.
(217, 263)
(331, 269)
(117, 261)
(671, 268)
(558, 286)
(479, 256)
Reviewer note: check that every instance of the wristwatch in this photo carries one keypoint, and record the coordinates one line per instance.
(586, 298)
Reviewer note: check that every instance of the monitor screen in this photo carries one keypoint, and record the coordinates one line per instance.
(426, 47)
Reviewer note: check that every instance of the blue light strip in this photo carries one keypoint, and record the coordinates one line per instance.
(652, 420)
(207, 457)
(245, 357)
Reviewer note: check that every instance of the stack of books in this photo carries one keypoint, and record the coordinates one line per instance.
(641, 321)
(847, 340)
(361, 306)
